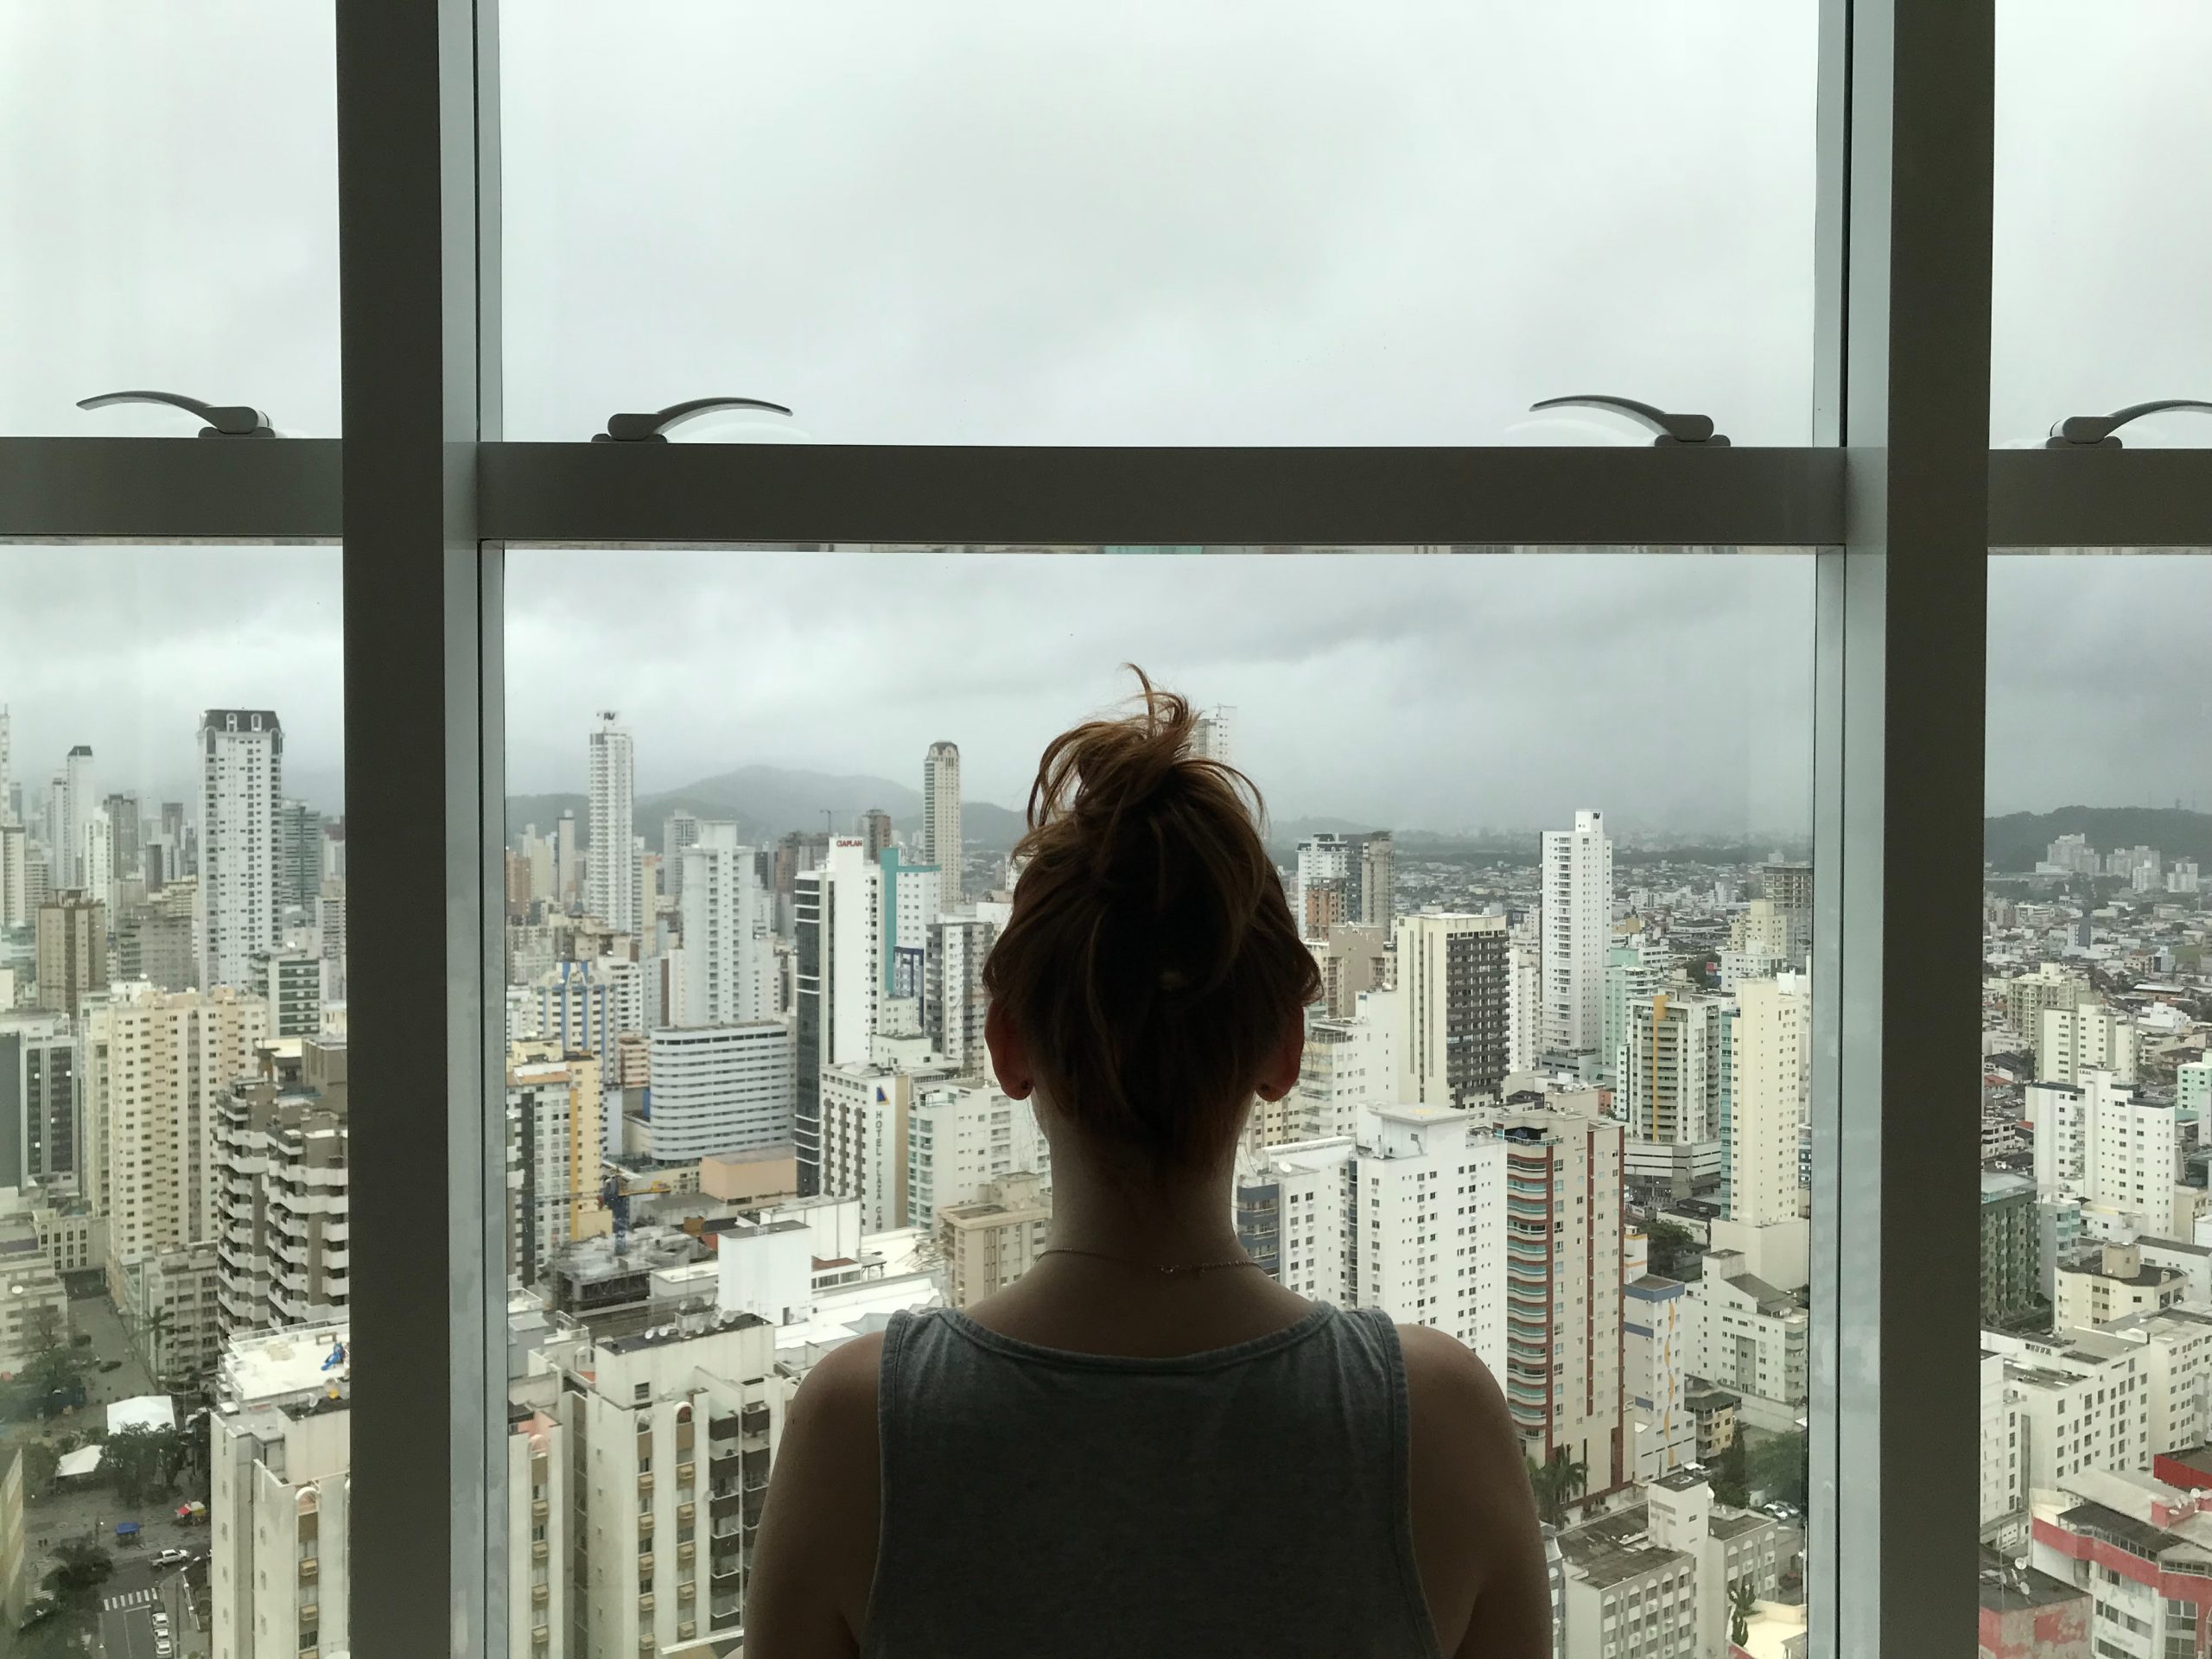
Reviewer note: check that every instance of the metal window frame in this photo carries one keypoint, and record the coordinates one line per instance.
(1903, 502)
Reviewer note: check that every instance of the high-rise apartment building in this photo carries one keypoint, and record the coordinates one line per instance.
(1349, 1067)
(299, 855)
(720, 1089)
(910, 900)
(282, 1250)
(1378, 879)
(79, 800)
(1655, 1351)
(1674, 1068)
(875, 831)
(1353, 958)
(835, 943)
(2097, 1142)
(1210, 734)
(567, 862)
(2071, 1041)
(16, 909)
(941, 844)
(954, 1002)
(279, 1444)
(1578, 927)
(1767, 1101)
(673, 1433)
(864, 1119)
(961, 1137)
(38, 1098)
(1635, 969)
(555, 1148)
(7, 777)
(611, 886)
(989, 1244)
(154, 1068)
(1524, 1003)
(241, 783)
(728, 947)
(679, 832)
(290, 983)
(1563, 1377)
(1452, 992)
(72, 949)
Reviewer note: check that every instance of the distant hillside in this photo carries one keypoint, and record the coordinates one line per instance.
(2018, 839)
(768, 802)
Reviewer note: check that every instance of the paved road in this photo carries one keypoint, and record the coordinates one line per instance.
(127, 1602)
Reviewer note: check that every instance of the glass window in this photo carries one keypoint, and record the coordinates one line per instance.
(803, 870)
(998, 223)
(171, 177)
(2094, 1082)
(2103, 217)
(173, 884)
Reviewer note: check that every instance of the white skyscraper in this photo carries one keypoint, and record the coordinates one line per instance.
(241, 782)
(1451, 1007)
(729, 954)
(80, 798)
(7, 812)
(1210, 736)
(941, 818)
(719, 1088)
(567, 861)
(611, 891)
(2096, 1141)
(1769, 1074)
(1578, 925)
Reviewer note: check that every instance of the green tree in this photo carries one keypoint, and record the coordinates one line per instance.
(144, 1463)
(1781, 1467)
(39, 1462)
(1674, 1249)
(1557, 1481)
(154, 1329)
(1730, 1474)
(1742, 1601)
(52, 1377)
(82, 1566)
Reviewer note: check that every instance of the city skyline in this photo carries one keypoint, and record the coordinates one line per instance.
(1713, 652)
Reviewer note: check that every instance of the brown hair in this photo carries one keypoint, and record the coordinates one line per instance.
(1150, 964)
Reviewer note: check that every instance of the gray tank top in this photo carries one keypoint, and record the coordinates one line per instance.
(1248, 1499)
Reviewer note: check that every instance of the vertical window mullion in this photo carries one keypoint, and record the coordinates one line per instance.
(1901, 676)
(429, 1522)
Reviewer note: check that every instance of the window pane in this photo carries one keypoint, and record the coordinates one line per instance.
(991, 222)
(744, 930)
(173, 1109)
(170, 181)
(2103, 216)
(2096, 1237)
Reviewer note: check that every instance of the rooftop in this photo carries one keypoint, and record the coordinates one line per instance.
(2011, 1589)
(1615, 1548)
(683, 1329)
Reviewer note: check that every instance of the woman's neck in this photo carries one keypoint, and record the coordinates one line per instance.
(1164, 1220)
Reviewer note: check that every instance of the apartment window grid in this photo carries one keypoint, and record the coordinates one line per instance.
(290, 490)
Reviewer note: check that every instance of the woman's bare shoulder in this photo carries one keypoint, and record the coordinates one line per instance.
(1473, 1520)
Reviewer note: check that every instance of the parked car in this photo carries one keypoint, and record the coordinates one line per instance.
(172, 1558)
(111, 1365)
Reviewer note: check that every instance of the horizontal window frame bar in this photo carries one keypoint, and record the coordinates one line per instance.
(182, 490)
(172, 489)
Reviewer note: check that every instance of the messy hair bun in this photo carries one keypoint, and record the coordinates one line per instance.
(1150, 965)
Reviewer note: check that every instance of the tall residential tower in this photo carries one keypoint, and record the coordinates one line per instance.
(941, 818)
(241, 784)
(611, 892)
(1578, 925)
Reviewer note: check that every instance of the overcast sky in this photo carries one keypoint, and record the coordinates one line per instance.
(995, 222)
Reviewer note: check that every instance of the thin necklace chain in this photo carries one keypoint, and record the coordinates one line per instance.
(1132, 1261)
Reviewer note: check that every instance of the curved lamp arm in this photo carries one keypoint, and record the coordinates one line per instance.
(224, 420)
(653, 428)
(2096, 432)
(1669, 428)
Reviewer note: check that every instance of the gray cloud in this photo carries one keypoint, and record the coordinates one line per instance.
(989, 221)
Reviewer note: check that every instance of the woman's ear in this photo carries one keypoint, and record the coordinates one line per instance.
(1279, 1076)
(1009, 1054)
